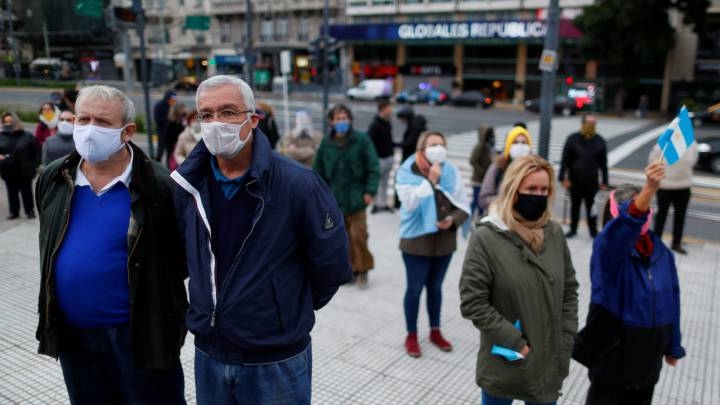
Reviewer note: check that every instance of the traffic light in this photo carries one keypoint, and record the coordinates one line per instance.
(569, 80)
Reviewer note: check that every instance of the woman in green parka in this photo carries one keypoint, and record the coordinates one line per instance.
(518, 287)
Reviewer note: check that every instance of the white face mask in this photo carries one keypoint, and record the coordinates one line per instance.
(96, 144)
(65, 127)
(519, 149)
(436, 154)
(223, 139)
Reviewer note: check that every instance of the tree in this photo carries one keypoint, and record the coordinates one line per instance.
(636, 35)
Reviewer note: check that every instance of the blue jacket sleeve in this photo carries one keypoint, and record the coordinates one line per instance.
(325, 241)
(676, 350)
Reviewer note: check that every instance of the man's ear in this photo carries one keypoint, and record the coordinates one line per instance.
(128, 132)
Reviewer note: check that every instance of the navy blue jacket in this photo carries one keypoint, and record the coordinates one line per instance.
(634, 316)
(291, 263)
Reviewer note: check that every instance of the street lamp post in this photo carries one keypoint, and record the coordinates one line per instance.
(137, 8)
(249, 60)
(548, 79)
(322, 44)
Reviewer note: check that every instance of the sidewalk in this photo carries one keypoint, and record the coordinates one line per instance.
(358, 337)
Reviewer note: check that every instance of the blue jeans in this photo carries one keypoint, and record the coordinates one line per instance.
(475, 208)
(284, 382)
(98, 368)
(428, 272)
(488, 399)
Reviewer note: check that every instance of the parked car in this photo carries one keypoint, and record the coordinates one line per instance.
(370, 89)
(424, 93)
(710, 115)
(709, 153)
(562, 105)
(471, 98)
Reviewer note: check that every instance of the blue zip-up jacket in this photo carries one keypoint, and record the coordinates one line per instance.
(634, 316)
(291, 263)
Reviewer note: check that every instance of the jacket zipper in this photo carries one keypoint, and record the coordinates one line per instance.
(57, 245)
(652, 289)
(242, 247)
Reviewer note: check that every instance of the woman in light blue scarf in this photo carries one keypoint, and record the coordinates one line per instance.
(433, 206)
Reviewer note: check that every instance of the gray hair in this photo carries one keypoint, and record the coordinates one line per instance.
(223, 80)
(107, 93)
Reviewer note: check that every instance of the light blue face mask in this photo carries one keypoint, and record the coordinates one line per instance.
(342, 126)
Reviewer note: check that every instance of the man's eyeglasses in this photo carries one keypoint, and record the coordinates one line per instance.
(222, 116)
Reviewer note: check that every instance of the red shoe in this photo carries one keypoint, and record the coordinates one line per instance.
(412, 348)
(438, 340)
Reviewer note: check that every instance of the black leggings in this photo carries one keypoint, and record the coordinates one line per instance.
(610, 394)
(679, 200)
(577, 196)
(16, 187)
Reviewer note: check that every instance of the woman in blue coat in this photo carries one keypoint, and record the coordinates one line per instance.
(634, 318)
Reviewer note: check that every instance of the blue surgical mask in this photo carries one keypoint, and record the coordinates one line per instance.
(342, 126)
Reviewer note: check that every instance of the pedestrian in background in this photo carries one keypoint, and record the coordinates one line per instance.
(518, 287)
(347, 161)
(634, 317)
(48, 117)
(302, 142)
(112, 300)
(481, 158)
(267, 124)
(517, 144)
(433, 206)
(415, 124)
(176, 123)
(380, 132)
(19, 159)
(584, 159)
(188, 138)
(161, 110)
(675, 190)
(266, 247)
(61, 143)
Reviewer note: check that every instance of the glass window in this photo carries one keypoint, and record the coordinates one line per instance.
(266, 30)
(225, 30)
(304, 28)
(281, 28)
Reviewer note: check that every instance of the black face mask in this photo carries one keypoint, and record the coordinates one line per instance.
(531, 206)
(7, 128)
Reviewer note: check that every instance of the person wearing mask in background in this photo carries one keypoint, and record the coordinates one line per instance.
(634, 317)
(177, 121)
(69, 96)
(19, 159)
(347, 161)
(480, 159)
(266, 247)
(48, 116)
(61, 143)
(112, 294)
(161, 110)
(584, 158)
(433, 206)
(518, 287)
(675, 190)
(188, 138)
(267, 124)
(380, 132)
(517, 144)
(302, 142)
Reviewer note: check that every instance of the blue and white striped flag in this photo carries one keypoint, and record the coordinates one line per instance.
(677, 138)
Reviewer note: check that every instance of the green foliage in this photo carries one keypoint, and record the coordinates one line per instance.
(634, 35)
(25, 115)
(53, 84)
(140, 123)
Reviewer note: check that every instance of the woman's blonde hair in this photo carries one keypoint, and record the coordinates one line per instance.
(422, 139)
(514, 175)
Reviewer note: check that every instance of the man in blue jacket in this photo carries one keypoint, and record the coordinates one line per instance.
(266, 246)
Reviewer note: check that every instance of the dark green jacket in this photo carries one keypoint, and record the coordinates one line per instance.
(350, 167)
(503, 281)
(156, 260)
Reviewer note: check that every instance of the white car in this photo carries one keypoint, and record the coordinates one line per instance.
(371, 89)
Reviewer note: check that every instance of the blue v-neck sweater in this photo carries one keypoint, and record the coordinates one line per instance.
(91, 278)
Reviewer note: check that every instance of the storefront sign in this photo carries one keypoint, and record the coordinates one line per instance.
(466, 30)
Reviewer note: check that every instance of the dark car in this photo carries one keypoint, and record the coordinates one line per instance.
(710, 115)
(424, 93)
(563, 105)
(709, 153)
(471, 98)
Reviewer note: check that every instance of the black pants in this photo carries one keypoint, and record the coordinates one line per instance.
(610, 394)
(15, 188)
(679, 200)
(578, 194)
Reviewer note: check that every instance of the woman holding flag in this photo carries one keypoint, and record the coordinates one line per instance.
(634, 317)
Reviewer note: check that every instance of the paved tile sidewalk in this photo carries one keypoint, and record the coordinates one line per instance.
(357, 341)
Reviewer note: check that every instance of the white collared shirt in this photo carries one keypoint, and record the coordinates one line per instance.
(81, 180)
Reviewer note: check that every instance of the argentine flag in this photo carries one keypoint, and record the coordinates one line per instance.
(677, 138)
